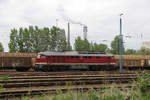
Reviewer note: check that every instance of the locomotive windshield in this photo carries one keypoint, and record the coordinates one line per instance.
(38, 56)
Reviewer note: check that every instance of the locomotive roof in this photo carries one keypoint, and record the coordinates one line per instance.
(73, 53)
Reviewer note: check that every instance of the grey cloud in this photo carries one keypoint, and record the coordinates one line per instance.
(101, 17)
(63, 13)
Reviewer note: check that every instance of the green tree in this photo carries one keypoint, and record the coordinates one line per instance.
(115, 45)
(130, 52)
(108, 50)
(58, 41)
(1, 47)
(13, 45)
(34, 39)
(99, 47)
(82, 45)
(144, 51)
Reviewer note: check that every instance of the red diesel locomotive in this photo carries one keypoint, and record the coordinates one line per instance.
(55, 61)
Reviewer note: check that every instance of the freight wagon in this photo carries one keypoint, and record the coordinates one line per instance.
(134, 61)
(18, 61)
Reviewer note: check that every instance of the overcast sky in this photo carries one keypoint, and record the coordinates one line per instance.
(100, 16)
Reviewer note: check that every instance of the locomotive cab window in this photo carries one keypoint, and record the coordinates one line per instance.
(72, 57)
(112, 58)
(38, 56)
(43, 57)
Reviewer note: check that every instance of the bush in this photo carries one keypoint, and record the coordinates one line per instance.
(5, 77)
(143, 82)
(118, 97)
(93, 95)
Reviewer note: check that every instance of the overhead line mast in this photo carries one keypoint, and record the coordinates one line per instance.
(121, 43)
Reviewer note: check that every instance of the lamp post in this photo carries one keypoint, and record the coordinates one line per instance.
(121, 51)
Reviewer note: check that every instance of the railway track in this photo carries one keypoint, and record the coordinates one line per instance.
(56, 90)
(62, 81)
(19, 85)
(73, 72)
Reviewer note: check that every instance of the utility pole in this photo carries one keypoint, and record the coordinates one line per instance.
(121, 41)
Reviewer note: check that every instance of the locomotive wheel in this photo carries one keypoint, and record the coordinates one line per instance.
(36, 68)
(22, 69)
(94, 68)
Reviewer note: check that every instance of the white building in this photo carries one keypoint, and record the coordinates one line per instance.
(146, 44)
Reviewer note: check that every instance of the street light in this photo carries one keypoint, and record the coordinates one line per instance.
(121, 43)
